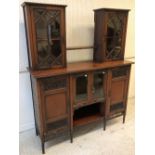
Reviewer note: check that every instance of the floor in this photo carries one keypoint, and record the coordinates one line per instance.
(118, 139)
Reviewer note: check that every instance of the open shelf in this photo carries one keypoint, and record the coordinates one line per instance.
(87, 114)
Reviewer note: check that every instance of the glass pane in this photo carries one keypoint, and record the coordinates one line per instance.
(44, 20)
(81, 87)
(98, 85)
(44, 54)
(55, 27)
(47, 24)
(114, 35)
(56, 48)
(115, 25)
(53, 18)
(113, 47)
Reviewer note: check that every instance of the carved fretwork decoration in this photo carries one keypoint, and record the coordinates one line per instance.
(116, 106)
(119, 72)
(51, 83)
(114, 35)
(47, 23)
(57, 124)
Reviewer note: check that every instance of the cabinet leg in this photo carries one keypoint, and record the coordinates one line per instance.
(37, 133)
(71, 136)
(43, 147)
(104, 127)
(124, 115)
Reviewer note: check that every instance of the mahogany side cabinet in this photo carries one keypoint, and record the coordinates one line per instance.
(66, 96)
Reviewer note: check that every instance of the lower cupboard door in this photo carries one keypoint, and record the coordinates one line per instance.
(55, 106)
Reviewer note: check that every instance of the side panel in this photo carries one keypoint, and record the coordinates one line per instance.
(37, 106)
(29, 35)
(99, 36)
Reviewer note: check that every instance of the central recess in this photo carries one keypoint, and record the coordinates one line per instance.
(87, 114)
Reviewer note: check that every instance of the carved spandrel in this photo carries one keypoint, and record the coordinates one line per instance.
(119, 72)
(51, 83)
(116, 106)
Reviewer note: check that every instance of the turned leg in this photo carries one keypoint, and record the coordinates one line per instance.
(124, 115)
(104, 124)
(43, 147)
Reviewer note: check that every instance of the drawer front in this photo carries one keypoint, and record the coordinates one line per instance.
(52, 83)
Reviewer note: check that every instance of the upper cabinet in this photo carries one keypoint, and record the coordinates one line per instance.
(110, 34)
(46, 37)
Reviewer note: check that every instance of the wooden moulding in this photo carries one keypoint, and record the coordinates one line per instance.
(79, 47)
(78, 67)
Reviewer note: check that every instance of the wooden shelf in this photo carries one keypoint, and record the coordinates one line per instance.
(87, 114)
(87, 120)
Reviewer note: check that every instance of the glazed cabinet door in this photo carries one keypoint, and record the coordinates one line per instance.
(98, 87)
(114, 40)
(55, 102)
(117, 91)
(80, 89)
(46, 28)
(88, 88)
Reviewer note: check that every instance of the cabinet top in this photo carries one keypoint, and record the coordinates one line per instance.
(78, 67)
(111, 9)
(43, 4)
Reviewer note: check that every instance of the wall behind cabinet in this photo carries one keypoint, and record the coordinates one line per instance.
(79, 32)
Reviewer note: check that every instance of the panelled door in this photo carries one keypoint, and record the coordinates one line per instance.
(117, 90)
